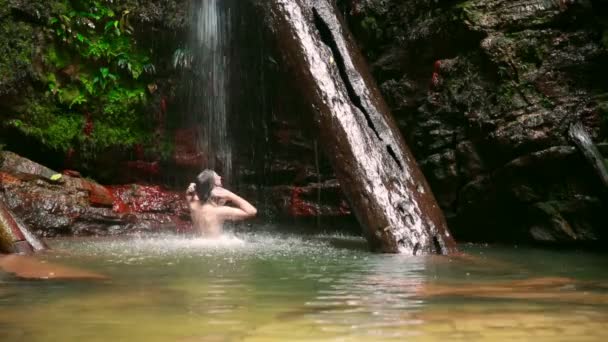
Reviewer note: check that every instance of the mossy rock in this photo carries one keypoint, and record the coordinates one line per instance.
(17, 46)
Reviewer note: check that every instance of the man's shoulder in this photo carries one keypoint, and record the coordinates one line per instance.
(208, 207)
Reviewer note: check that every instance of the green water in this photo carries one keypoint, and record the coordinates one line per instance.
(280, 287)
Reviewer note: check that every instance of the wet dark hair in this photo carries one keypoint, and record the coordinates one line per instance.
(205, 182)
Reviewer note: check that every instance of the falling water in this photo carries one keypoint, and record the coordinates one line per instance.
(209, 80)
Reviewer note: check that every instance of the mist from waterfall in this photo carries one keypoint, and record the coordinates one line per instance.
(209, 60)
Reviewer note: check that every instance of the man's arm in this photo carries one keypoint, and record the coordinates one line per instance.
(243, 210)
(226, 213)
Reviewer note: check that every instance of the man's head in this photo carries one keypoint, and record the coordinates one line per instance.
(205, 182)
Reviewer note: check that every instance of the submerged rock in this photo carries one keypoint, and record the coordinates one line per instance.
(28, 267)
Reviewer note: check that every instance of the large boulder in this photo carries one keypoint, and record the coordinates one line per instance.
(64, 204)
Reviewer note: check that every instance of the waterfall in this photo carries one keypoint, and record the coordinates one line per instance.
(209, 75)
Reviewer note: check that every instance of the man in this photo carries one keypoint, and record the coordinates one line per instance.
(208, 207)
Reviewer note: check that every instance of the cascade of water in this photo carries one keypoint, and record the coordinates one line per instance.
(209, 81)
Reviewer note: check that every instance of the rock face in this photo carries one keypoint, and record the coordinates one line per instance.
(67, 205)
(485, 91)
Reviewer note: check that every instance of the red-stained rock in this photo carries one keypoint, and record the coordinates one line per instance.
(143, 168)
(139, 151)
(119, 206)
(145, 198)
(304, 201)
(98, 195)
(72, 173)
(76, 206)
(6, 178)
(89, 126)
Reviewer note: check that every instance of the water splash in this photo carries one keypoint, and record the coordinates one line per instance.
(266, 243)
(209, 62)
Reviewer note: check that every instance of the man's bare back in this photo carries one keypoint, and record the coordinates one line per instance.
(203, 219)
(208, 216)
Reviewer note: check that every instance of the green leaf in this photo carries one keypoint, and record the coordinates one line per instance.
(56, 177)
(108, 26)
(80, 99)
(16, 123)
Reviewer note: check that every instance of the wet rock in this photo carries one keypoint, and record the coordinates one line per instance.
(28, 267)
(311, 200)
(15, 235)
(98, 195)
(24, 168)
(187, 154)
(77, 206)
(171, 14)
(518, 14)
(545, 288)
(147, 199)
(484, 92)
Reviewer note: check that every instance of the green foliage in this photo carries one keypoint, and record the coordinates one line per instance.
(50, 124)
(95, 77)
(16, 49)
(101, 36)
(58, 58)
(371, 28)
(469, 12)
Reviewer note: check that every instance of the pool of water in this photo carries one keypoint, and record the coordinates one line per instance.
(269, 286)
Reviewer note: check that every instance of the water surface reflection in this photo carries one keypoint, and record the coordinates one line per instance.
(269, 286)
